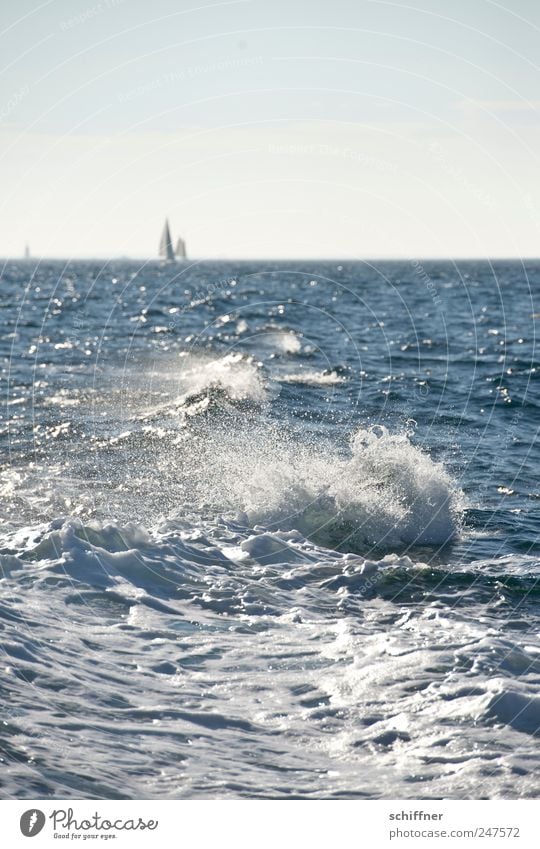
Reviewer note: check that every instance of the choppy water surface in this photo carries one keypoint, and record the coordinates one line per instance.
(270, 530)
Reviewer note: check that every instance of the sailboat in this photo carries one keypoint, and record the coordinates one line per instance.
(165, 244)
(27, 254)
(181, 249)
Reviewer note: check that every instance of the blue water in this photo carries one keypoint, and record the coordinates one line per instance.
(270, 530)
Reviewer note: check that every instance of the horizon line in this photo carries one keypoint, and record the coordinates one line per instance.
(192, 260)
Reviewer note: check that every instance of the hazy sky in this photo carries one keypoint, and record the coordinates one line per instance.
(270, 128)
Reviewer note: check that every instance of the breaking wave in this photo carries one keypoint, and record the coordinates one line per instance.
(314, 378)
(381, 491)
(235, 375)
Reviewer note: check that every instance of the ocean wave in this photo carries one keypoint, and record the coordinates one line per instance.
(235, 375)
(378, 491)
(384, 492)
(314, 378)
(282, 339)
(208, 383)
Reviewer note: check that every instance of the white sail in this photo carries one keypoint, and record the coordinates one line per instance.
(165, 244)
(181, 249)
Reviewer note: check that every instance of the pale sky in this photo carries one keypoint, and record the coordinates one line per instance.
(270, 128)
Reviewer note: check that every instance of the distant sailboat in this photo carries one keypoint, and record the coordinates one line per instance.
(27, 251)
(165, 245)
(181, 249)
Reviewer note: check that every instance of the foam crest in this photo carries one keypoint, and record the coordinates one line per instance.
(283, 340)
(314, 378)
(234, 375)
(384, 491)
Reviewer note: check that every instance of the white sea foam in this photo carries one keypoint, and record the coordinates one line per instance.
(201, 379)
(225, 582)
(380, 490)
(314, 378)
(384, 491)
(283, 340)
(236, 375)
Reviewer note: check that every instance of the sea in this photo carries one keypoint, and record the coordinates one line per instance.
(269, 530)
